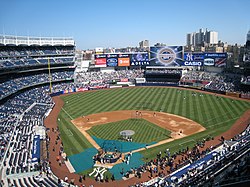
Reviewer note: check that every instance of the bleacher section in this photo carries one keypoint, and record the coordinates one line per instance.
(12, 57)
(14, 85)
(220, 82)
(19, 117)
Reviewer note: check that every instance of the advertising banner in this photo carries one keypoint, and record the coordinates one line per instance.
(166, 56)
(193, 59)
(81, 89)
(100, 60)
(36, 149)
(139, 59)
(112, 60)
(215, 59)
(124, 79)
(123, 60)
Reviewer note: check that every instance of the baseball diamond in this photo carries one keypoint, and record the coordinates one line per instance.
(187, 119)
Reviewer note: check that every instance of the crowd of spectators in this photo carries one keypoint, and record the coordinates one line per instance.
(190, 76)
(16, 84)
(18, 118)
(28, 61)
(8, 51)
(13, 57)
(103, 78)
(213, 81)
(245, 79)
(225, 83)
(197, 166)
(16, 123)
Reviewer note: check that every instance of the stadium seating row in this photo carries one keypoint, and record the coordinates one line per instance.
(22, 51)
(15, 63)
(14, 85)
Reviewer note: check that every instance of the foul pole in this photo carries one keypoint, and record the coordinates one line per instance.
(50, 78)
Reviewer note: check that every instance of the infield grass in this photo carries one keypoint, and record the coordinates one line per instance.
(215, 113)
(145, 132)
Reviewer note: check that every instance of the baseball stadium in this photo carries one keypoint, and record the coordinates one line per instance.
(157, 116)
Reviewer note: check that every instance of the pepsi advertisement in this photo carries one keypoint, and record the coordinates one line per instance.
(166, 56)
(193, 59)
(112, 60)
(215, 59)
(139, 59)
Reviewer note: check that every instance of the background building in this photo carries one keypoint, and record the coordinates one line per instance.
(248, 40)
(144, 44)
(202, 38)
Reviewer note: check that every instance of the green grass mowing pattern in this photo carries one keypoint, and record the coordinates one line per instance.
(145, 132)
(74, 142)
(180, 144)
(208, 110)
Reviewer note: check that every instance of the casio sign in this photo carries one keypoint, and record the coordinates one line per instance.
(192, 63)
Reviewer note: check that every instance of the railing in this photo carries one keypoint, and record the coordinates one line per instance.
(26, 40)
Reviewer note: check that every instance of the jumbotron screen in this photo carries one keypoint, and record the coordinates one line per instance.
(166, 56)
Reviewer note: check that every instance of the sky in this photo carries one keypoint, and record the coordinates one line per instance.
(123, 23)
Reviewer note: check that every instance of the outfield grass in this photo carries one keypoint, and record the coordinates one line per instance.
(217, 114)
(145, 132)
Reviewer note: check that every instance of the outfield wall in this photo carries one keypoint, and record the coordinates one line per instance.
(231, 94)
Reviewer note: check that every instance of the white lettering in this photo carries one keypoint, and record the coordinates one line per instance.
(192, 63)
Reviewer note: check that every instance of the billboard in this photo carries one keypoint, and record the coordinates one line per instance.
(123, 60)
(166, 56)
(36, 149)
(139, 59)
(215, 59)
(193, 59)
(112, 60)
(100, 60)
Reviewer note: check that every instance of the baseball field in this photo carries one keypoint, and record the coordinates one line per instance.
(214, 113)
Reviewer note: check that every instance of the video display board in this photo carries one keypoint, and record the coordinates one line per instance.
(193, 59)
(215, 59)
(139, 59)
(166, 56)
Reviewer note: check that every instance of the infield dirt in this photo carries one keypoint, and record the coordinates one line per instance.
(179, 126)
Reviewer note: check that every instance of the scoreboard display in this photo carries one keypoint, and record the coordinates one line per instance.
(169, 56)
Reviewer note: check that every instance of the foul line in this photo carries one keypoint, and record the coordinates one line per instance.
(67, 113)
(222, 122)
(192, 140)
(217, 117)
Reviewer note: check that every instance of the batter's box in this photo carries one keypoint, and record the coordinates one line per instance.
(68, 132)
